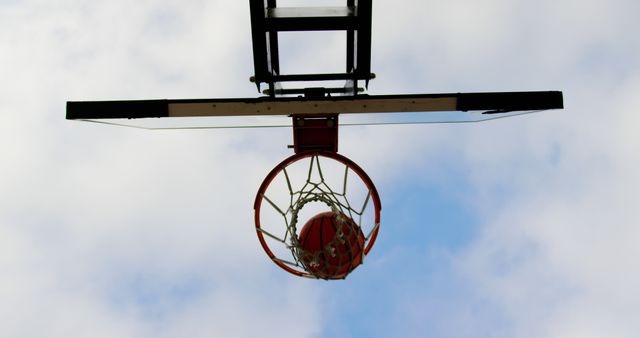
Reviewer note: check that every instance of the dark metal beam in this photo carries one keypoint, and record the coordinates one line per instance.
(310, 19)
(351, 47)
(510, 101)
(259, 39)
(319, 77)
(363, 38)
(88, 110)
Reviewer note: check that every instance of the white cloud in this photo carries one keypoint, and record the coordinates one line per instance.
(556, 252)
(121, 232)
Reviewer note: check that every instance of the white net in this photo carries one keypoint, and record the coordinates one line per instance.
(304, 188)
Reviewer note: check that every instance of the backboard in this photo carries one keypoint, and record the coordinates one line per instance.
(275, 111)
(318, 93)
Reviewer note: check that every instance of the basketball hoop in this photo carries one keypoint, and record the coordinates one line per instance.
(349, 216)
(341, 218)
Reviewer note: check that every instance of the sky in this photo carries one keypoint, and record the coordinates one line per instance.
(521, 227)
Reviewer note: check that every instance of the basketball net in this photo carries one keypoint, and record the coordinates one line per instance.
(360, 207)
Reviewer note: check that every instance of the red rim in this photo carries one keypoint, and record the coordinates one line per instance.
(292, 159)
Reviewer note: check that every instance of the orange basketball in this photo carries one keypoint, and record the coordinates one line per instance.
(332, 245)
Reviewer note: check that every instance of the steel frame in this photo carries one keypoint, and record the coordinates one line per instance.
(268, 20)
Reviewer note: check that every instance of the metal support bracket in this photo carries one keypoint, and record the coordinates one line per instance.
(268, 20)
(315, 132)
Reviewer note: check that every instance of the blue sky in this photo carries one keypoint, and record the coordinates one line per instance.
(522, 227)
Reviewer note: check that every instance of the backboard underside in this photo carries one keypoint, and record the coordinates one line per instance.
(268, 22)
(275, 112)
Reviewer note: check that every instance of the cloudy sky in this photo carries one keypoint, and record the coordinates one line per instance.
(522, 227)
